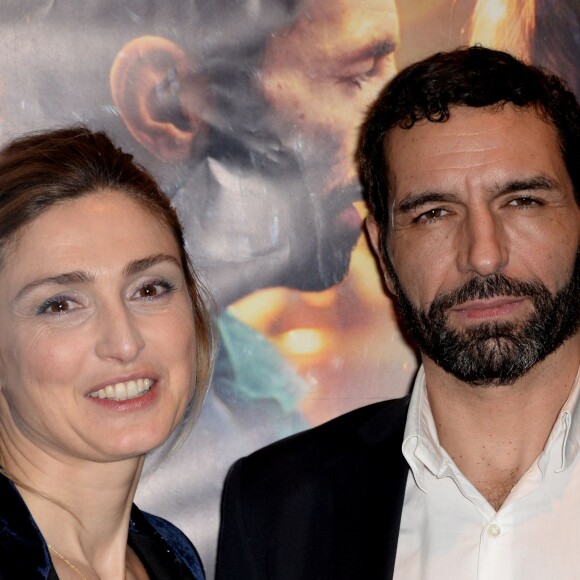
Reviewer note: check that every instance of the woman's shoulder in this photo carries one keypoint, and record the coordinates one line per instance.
(177, 542)
(171, 534)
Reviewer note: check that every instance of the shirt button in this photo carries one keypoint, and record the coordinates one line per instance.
(493, 530)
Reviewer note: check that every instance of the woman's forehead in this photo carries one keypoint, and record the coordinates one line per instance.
(99, 231)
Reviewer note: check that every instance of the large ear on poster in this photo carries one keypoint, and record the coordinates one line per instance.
(374, 235)
(160, 96)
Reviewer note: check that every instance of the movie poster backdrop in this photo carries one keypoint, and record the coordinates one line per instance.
(247, 112)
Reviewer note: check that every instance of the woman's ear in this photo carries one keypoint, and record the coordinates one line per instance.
(374, 234)
(160, 97)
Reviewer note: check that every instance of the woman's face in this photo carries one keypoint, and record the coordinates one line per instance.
(97, 339)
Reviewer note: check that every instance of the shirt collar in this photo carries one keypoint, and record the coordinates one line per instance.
(422, 449)
(421, 446)
(570, 418)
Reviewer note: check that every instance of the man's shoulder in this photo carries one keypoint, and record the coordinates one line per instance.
(347, 434)
(320, 494)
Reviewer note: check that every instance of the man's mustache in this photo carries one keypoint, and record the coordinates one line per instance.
(485, 287)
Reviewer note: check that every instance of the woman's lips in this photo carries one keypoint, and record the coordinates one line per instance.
(123, 391)
(142, 400)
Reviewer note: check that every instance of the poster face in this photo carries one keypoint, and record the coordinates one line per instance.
(248, 114)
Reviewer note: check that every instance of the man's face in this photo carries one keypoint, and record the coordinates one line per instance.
(287, 218)
(482, 242)
(318, 78)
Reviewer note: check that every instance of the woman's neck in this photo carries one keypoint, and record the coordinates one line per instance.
(82, 508)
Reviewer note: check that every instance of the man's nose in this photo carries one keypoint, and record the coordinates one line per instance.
(119, 336)
(483, 247)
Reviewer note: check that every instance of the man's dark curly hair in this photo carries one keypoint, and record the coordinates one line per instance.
(469, 77)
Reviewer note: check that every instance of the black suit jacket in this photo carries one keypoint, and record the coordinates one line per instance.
(322, 505)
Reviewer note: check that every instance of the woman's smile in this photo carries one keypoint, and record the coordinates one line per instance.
(124, 390)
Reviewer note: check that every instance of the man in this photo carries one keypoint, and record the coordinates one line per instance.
(470, 164)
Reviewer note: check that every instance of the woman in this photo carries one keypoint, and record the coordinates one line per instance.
(105, 351)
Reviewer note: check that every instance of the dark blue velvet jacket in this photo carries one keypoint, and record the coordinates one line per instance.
(165, 552)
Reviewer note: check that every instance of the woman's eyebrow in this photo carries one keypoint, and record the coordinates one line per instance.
(138, 266)
(83, 277)
(75, 277)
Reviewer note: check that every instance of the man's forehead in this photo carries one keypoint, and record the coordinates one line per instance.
(466, 124)
(475, 147)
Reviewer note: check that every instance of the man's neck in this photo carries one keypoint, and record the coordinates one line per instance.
(495, 433)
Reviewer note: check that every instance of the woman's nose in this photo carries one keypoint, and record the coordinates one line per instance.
(119, 335)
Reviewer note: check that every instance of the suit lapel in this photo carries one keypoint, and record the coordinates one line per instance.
(369, 488)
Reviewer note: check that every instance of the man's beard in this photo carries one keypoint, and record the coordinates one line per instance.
(494, 353)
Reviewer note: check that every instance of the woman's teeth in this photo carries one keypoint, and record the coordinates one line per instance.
(124, 391)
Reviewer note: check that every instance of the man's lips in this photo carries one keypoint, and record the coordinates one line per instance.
(490, 308)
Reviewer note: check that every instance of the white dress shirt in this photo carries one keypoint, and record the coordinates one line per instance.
(448, 529)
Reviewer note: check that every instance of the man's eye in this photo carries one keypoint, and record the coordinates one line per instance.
(377, 65)
(357, 80)
(364, 72)
(431, 215)
(524, 202)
